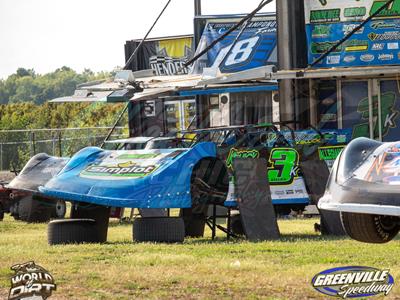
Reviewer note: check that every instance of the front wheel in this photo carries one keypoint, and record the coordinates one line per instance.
(73, 231)
(370, 228)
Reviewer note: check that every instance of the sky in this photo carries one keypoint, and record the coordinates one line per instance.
(48, 34)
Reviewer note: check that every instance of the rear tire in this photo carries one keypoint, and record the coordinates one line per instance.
(237, 225)
(33, 210)
(370, 228)
(1, 212)
(73, 231)
(159, 230)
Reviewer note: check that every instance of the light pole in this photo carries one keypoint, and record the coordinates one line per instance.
(197, 8)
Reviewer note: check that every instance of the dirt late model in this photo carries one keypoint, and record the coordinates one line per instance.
(364, 188)
(188, 178)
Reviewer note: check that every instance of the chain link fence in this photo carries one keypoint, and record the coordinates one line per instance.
(17, 146)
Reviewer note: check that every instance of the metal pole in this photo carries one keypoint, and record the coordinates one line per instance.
(286, 95)
(1, 156)
(197, 8)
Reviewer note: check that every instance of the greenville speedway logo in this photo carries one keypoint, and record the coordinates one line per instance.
(124, 170)
(31, 281)
(353, 282)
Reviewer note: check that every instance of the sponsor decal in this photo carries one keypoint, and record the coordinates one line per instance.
(384, 25)
(349, 58)
(164, 65)
(378, 46)
(386, 36)
(235, 153)
(325, 15)
(31, 281)
(355, 12)
(333, 60)
(393, 46)
(321, 31)
(367, 57)
(329, 152)
(120, 170)
(347, 28)
(354, 282)
(386, 56)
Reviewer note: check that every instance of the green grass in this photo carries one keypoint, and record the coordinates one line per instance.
(198, 269)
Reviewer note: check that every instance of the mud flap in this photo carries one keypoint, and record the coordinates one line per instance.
(100, 214)
(254, 199)
(316, 174)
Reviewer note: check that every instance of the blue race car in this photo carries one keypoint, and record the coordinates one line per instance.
(191, 171)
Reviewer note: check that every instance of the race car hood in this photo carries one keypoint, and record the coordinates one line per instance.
(139, 178)
(37, 172)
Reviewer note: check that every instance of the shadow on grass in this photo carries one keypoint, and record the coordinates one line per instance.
(285, 238)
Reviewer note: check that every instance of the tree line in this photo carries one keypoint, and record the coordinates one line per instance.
(24, 98)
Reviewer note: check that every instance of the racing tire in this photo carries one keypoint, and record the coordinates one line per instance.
(159, 230)
(1, 212)
(72, 231)
(195, 220)
(237, 225)
(100, 214)
(370, 228)
(32, 210)
(194, 228)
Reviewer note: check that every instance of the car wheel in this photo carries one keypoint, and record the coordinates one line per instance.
(237, 225)
(33, 210)
(160, 230)
(73, 231)
(370, 228)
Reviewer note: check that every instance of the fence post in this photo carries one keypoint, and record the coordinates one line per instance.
(53, 141)
(1, 156)
(32, 142)
(59, 143)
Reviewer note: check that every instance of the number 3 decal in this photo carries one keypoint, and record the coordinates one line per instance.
(284, 166)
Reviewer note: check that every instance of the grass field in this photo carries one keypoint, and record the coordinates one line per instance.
(198, 269)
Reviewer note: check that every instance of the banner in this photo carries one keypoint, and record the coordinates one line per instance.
(329, 21)
(165, 56)
(256, 46)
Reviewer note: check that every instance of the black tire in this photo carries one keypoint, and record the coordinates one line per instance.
(237, 225)
(159, 230)
(1, 212)
(331, 223)
(370, 228)
(100, 214)
(59, 210)
(72, 231)
(33, 210)
(195, 220)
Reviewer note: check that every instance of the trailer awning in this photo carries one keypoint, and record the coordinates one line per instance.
(229, 89)
(332, 73)
(84, 96)
(154, 93)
